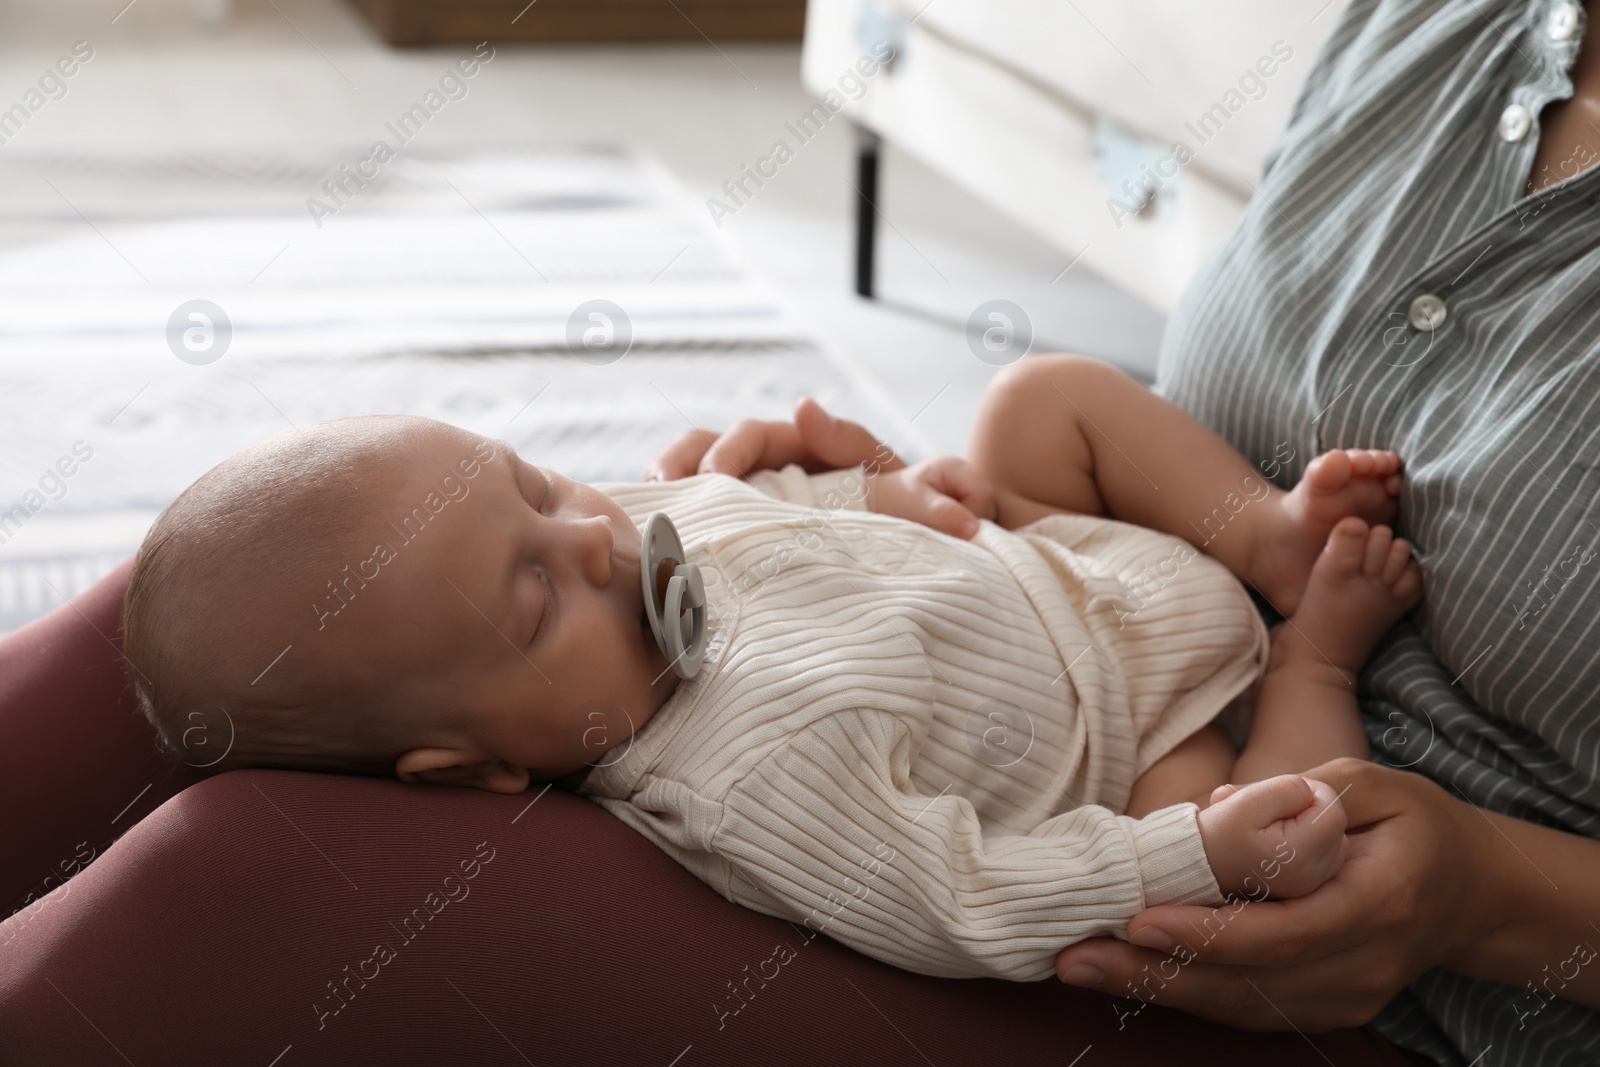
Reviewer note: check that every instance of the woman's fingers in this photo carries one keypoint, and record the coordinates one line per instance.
(1268, 933)
(1370, 793)
(1331, 958)
(1323, 997)
(681, 458)
(835, 443)
(752, 445)
(816, 440)
(1257, 966)
(1365, 901)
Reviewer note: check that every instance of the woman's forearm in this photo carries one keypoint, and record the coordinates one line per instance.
(1540, 912)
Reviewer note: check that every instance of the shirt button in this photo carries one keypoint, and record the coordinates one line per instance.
(1515, 121)
(1427, 312)
(1563, 22)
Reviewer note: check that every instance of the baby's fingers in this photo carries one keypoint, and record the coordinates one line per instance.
(958, 479)
(681, 458)
(945, 514)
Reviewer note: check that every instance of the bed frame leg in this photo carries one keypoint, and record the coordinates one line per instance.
(867, 145)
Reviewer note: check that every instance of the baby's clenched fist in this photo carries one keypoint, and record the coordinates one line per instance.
(1282, 837)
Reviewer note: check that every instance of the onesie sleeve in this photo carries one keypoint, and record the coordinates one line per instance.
(836, 490)
(830, 832)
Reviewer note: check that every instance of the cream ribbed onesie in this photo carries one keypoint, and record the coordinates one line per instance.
(920, 745)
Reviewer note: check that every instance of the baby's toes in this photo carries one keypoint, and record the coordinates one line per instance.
(1379, 541)
(1394, 564)
(1329, 471)
(1407, 589)
(1384, 462)
(1385, 513)
(1362, 463)
(1347, 545)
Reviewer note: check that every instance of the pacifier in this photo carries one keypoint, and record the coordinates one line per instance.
(674, 596)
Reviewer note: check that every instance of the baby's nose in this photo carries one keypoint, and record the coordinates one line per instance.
(594, 541)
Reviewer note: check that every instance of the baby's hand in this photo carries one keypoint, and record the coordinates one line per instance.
(1282, 837)
(947, 494)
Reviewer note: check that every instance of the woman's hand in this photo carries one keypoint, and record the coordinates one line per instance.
(1416, 891)
(815, 440)
(947, 494)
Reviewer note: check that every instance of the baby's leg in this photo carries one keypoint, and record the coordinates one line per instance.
(1070, 433)
(1305, 709)
(1190, 772)
(1284, 833)
(1278, 833)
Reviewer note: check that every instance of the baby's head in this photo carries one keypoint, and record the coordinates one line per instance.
(392, 595)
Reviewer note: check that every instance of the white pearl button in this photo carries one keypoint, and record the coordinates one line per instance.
(1427, 312)
(1563, 22)
(1515, 122)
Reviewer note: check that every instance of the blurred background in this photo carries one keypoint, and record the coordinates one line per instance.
(593, 239)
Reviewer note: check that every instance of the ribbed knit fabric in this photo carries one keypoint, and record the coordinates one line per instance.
(920, 745)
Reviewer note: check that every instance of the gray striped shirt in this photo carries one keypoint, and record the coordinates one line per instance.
(1390, 286)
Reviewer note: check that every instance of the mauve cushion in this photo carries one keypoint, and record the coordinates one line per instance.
(274, 917)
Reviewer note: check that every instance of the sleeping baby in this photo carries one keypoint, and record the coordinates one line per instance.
(955, 753)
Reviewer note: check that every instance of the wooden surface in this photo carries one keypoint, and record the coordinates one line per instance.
(413, 22)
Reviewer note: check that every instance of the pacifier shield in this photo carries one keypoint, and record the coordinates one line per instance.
(674, 596)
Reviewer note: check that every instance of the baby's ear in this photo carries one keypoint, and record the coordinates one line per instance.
(453, 766)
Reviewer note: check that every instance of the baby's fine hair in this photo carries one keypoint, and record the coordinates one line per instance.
(220, 573)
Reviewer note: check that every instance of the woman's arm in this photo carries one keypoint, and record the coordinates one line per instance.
(1549, 908)
(1429, 881)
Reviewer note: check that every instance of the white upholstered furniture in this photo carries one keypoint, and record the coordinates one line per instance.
(1068, 114)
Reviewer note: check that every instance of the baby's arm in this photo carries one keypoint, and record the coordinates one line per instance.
(831, 833)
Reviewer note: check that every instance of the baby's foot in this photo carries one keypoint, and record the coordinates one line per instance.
(1362, 583)
(1282, 837)
(1353, 481)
